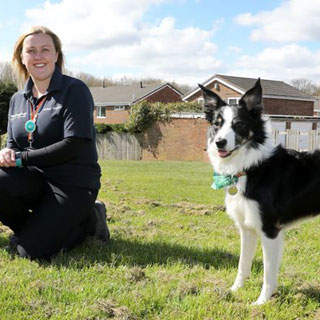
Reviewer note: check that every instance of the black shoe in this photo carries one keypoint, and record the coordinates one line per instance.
(13, 243)
(22, 252)
(102, 231)
(16, 248)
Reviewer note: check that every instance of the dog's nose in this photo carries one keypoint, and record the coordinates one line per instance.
(221, 143)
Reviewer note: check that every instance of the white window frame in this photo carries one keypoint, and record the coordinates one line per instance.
(234, 98)
(119, 108)
(101, 112)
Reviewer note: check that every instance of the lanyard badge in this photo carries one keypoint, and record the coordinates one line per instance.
(30, 126)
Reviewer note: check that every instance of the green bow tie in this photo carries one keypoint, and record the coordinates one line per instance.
(221, 181)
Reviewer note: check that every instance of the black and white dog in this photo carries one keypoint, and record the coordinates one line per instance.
(268, 188)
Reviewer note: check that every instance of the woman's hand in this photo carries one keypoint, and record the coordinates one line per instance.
(7, 158)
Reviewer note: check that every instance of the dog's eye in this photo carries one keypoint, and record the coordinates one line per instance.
(239, 125)
(217, 122)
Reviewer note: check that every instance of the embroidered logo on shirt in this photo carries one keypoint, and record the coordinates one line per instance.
(18, 115)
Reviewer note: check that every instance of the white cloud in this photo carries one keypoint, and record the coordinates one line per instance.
(284, 63)
(293, 20)
(162, 52)
(111, 34)
(92, 24)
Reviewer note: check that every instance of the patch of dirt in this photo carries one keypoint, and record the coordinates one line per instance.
(196, 209)
(183, 207)
(187, 289)
(316, 315)
(135, 274)
(113, 311)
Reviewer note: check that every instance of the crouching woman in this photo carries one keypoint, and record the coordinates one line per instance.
(49, 173)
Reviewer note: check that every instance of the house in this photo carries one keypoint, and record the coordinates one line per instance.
(279, 98)
(112, 104)
(316, 110)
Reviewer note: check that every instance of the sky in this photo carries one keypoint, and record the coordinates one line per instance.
(186, 41)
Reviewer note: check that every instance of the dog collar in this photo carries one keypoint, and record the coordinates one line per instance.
(221, 181)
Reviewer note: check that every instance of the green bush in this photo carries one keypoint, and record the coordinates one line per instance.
(3, 141)
(103, 127)
(7, 89)
(144, 114)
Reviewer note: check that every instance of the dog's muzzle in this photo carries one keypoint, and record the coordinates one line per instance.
(222, 152)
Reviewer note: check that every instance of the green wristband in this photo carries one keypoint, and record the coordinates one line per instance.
(18, 160)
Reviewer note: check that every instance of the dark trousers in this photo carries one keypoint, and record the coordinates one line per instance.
(46, 217)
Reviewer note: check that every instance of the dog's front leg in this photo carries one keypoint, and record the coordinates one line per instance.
(248, 248)
(272, 253)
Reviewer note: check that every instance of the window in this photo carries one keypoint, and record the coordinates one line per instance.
(101, 112)
(233, 101)
(119, 108)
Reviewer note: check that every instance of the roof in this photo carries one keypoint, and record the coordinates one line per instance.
(125, 94)
(270, 88)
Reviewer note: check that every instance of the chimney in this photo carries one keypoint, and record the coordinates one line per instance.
(141, 86)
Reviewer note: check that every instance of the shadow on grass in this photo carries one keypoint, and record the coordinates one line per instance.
(311, 293)
(288, 294)
(136, 253)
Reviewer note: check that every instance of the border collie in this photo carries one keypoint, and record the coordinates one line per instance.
(267, 188)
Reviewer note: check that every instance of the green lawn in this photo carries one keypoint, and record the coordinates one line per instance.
(173, 255)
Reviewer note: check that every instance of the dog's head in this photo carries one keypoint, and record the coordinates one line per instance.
(233, 127)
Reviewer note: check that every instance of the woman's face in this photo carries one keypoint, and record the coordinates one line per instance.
(39, 56)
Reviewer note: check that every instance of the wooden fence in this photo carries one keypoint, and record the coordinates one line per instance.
(125, 146)
(297, 140)
(119, 146)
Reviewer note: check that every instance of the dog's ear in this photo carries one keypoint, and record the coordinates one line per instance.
(252, 99)
(212, 102)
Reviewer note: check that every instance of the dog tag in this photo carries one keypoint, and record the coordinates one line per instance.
(233, 190)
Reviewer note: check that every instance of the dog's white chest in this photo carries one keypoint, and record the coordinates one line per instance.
(242, 210)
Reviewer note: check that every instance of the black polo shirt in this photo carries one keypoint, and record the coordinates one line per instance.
(66, 112)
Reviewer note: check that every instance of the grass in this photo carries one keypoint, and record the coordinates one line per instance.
(173, 255)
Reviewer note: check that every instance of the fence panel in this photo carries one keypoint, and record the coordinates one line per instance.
(297, 140)
(118, 146)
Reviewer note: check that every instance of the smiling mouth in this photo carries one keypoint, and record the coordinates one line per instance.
(224, 153)
(39, 65)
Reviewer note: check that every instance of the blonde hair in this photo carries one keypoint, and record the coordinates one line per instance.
(20, 69)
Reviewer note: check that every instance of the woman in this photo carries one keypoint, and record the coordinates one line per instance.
(49, 174)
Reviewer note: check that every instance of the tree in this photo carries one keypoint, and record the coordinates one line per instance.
(306, 86)
(6, 72)
(7, 89)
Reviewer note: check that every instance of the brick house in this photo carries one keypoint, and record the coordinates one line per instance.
(279, 98)
(112, 104)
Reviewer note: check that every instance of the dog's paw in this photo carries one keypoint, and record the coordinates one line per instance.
(236, 286)
(263, 298)
(259, 302)
(266, 294)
